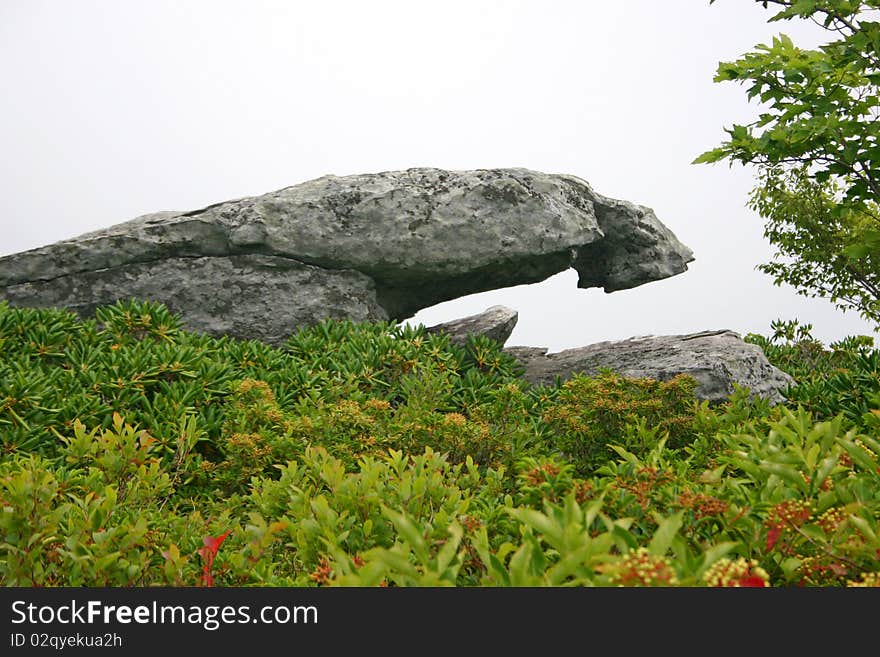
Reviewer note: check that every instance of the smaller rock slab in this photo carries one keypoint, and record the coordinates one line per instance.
(716, 359)
(496, 322)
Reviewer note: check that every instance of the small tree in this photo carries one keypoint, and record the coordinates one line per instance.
(816, 144)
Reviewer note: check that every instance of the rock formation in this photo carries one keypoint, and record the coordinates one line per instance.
(365, 247)
(496, 322)
(716, 359)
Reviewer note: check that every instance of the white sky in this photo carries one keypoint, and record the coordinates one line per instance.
(114, 109)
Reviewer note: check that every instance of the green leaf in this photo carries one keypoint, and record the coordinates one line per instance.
(624, 540)
(372, 573)
(857, 251)
(825, 467)
(450, 547)
(397, 562)
(519, 565)
(786, 472)
(859, 456)
(814, 532)
(498, 571)
(410, 533)
(713, 554)
(570, 565)
(790, 565)
(541, 523)
(715, 155)
(865, 528)
(666, 531)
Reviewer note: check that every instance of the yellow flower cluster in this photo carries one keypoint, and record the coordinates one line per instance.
(727, 573)
(455, 419)
(868, 580)
(831, 520)
(641, 568)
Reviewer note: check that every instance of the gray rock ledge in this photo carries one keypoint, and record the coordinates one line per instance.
(372, 246)
(716, 359)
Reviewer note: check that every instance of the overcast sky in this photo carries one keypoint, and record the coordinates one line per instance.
(114, 109)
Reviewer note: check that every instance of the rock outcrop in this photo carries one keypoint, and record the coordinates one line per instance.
(373, 247)
(716, 359)
(496, 322)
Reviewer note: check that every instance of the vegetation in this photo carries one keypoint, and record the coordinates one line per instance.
(815, 146)
(136, 453)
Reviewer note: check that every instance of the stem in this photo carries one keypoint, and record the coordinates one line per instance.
(826, 549)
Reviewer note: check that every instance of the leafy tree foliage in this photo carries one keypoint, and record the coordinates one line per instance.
(816, 143)
(823, 248)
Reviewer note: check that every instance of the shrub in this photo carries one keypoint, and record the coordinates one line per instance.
(841, 379)
(590, 413)
(136, 453)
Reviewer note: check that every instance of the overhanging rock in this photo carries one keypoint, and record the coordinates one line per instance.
(366, 247)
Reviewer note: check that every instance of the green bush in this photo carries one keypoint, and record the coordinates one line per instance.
(136, 453)
(590, 413)
(843, 378)
(133, 359)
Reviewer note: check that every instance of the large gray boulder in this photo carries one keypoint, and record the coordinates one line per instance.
(716, 359)
(248, 296)
(496, 322)
(373, 246)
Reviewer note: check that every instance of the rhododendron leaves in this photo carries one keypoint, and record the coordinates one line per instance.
(665, 534)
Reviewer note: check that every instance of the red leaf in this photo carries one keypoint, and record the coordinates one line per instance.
(208, 552)
(772, 537)
(213, 544)
(753, 581)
